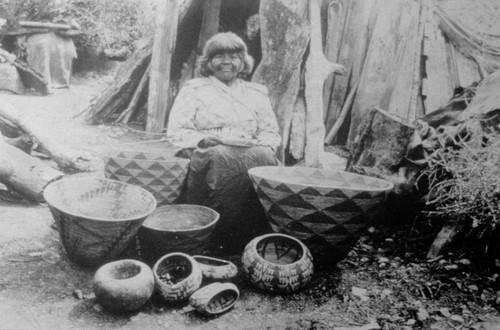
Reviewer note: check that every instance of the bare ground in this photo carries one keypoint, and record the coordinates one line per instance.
(383, 283)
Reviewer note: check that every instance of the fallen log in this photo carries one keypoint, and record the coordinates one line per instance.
(24, 174)
(65, 158)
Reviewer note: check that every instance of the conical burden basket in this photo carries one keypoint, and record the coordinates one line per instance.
(97, 218)
(328, 210)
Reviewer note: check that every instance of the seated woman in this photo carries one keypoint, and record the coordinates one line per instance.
(227, 125)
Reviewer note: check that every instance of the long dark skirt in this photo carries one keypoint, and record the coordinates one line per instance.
(218, 179)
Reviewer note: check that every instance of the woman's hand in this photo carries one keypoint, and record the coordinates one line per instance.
(208, 142)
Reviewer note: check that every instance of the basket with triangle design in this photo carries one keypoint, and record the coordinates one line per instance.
(326, 209)
(161, 175)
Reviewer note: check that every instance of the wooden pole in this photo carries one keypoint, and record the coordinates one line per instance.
(163, 49)
(317, 70)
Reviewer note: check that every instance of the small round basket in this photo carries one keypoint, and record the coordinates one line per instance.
(123, 285)
(328, 210)
(176, 228)
(215, 298)
(177, 276)
(158, 173)
(97, 219)
(214, 269)
(277, 263)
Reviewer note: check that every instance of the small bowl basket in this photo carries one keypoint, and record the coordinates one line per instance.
(277, 263)
(215, 298)
(177, 276)
(214, 269)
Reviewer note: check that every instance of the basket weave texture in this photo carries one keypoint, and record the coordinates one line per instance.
(185, 275)
(327, 209)
(97, 218)
(176, 228)
(278, 263)
(215, 298)
(161, 175)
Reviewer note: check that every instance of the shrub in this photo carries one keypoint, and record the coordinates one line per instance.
(464, 182)
(111, 24)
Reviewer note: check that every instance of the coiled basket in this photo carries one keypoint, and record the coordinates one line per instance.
(328, 210)
(97, 219)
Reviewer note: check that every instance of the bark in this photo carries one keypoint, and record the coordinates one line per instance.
(380, 147)
(387, 77)
(285, 35)
(163, 49)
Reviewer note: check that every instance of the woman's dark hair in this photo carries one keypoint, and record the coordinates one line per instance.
(225, 42)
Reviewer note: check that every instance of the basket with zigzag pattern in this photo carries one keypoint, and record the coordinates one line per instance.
(97, 219)
(158, 173)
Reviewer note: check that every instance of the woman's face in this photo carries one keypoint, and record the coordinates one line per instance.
(226, 66)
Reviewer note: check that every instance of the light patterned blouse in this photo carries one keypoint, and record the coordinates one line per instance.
(207, 107)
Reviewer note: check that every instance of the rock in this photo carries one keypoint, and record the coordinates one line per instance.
(457, 318)
(98, 308)
(78, 294)
(422, 314)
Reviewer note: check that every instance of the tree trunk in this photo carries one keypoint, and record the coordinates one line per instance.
(24, 174)
(285, 35)
(163, 49)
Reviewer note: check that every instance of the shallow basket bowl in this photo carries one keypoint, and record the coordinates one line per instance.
(97, 218)
(328, 210)
(183, 228)
(158, 173)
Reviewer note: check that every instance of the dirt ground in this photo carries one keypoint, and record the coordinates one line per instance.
(384, 283)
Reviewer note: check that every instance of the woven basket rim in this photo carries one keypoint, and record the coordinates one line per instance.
(169, 255)
(302, 245)
(159, 210)
(262, 172)
(176, 160)
(47, 197)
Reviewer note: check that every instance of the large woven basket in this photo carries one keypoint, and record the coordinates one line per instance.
(176, 228)
(97, 218)
(158, 173)
(327, 209)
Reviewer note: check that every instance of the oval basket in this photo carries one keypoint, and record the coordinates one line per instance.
(215, 298)
(97, 218)
(328, 210)
(159, 174)
(176, 228)
(216, 269)
(177, 276)
(277, 263)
